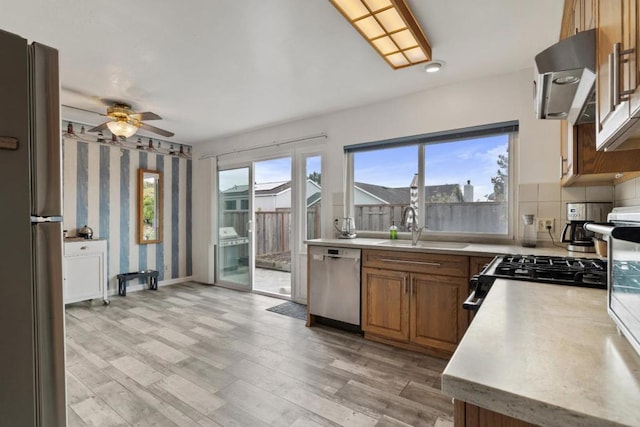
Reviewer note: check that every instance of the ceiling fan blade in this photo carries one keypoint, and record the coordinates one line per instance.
(85, 110)
(147, 115)
(156, 130)
(99, 127)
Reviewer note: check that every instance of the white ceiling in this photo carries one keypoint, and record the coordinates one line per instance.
(218, 67)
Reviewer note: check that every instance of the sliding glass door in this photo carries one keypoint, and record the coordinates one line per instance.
(266, 208)
(234, 255)
(273, 220)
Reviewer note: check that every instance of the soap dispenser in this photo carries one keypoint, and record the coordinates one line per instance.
(393, 231)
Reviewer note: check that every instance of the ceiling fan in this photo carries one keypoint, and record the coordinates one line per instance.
(125, 122)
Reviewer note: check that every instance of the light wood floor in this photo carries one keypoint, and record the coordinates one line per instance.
(197, 355)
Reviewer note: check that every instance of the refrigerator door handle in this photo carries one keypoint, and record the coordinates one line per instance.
(41, 219)
(8, 143)
(46, 152)
(49, 309)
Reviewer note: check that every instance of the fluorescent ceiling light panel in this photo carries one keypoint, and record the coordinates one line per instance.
(390, 27)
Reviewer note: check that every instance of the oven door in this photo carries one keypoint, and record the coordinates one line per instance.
(472, 303)
(623, 291)
(480, 284)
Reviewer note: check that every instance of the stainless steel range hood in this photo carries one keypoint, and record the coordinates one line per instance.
(564, 86)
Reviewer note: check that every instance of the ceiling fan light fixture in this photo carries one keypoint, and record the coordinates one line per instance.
(122, 128)
(385, 22)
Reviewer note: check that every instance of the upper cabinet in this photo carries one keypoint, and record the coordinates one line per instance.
(615, 21)
(583, 165)
(578, 15)
(617, 75)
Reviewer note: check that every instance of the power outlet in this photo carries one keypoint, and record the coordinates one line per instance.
(166, 268)
(543, 223)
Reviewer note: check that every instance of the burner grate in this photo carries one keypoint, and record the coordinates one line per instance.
(562, 270)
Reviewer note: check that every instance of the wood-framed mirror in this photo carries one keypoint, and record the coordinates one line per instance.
(149, 206)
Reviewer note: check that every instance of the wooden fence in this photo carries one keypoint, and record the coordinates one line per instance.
(272, 228)
(464, 217)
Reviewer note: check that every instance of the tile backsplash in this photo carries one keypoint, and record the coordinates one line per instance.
(548, 200)
(628, 193)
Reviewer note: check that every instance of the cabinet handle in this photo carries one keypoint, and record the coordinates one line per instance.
(404, 284)
(614, 69)
(611, 82)
(404, 261)
(413, 286)
(83, 247)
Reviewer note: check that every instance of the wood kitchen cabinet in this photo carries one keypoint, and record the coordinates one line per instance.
(437, 319)
(414, 300)
(580, 16)
(468, 415)
(583, 165)
(616, 24)
(385, 303)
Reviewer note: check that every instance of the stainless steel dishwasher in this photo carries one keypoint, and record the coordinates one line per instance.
(334, 284)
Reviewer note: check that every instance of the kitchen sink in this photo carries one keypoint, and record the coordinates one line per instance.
(423, 244)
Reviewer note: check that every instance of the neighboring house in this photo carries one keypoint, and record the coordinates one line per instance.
(236, 198)
(272, 196)
(371, 194)
(268, 196)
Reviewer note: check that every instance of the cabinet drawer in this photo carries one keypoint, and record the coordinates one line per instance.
(84, 247)
(441, 264)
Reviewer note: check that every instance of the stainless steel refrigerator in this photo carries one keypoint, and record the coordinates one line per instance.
(32, 368)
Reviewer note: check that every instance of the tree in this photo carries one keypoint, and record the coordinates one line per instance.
(500, 181)
(315, 177)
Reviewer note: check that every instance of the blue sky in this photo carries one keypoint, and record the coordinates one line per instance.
(266, 171)
(446, 163)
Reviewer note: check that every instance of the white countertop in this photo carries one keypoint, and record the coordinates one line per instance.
(549, 355)
(477, 249)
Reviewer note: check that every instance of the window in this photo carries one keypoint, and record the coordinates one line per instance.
(313, 193)
(230, 205)
(457, 182)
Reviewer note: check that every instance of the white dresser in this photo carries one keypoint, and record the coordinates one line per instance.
(85, 270)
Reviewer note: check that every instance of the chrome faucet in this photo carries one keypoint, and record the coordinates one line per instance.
(415, 231)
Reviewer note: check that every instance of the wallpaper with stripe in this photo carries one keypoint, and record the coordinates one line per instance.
(100, 190)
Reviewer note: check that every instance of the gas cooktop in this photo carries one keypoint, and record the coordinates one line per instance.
(586, 272)
(583, 272)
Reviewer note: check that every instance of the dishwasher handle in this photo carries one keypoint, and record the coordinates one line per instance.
(341, 257)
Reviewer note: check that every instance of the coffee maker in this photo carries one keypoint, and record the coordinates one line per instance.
(574, 233)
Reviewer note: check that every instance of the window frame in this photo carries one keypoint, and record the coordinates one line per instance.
(435, 138)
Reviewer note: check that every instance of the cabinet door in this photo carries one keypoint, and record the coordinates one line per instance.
(578, 17)
(634, 58)
(566, 155)
(83, 277)
(588, 14)
(437, 317)
(468, 415)
(613, 27)
(385, 303)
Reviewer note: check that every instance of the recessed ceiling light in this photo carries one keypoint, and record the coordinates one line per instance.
(434, 66)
